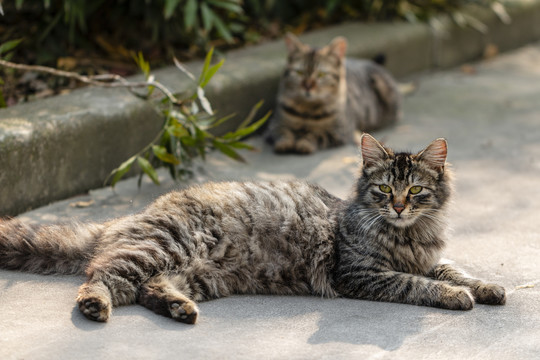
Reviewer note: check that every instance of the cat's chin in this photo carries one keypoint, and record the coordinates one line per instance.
(401, 222)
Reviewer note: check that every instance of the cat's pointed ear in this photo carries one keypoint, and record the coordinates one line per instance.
(293, 43)
(373, 152)
(435, 154)
(338, 47)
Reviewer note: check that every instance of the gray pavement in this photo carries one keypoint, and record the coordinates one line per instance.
(491, 119)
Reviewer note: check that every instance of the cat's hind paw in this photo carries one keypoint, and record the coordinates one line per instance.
(95, 308)
(184, 311)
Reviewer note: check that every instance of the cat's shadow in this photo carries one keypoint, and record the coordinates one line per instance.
(357, 322)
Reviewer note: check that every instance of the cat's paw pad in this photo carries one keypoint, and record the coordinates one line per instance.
(95, 308)
(184, 311)
(455, 298)
(490, 294)
(304, 146)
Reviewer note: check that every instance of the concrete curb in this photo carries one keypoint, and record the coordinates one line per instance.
(62, 146)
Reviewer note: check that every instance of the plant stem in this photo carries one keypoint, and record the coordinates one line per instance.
(104, 80)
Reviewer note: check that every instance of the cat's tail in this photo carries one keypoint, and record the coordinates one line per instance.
(404, 89)
(47, 249)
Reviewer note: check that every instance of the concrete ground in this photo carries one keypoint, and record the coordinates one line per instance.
(490, 115)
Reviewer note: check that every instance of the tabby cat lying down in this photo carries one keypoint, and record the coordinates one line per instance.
(324, 97)
(284, 237)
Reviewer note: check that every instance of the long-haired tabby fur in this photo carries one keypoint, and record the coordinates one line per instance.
(283, 237)
(324, 97)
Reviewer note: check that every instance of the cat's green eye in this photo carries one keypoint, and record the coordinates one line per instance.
(300, 72)
(385, 189)
(415, 189)
(321, 74)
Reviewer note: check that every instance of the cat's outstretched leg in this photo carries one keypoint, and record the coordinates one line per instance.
(163, 295)
(393, 286)
(115, 277)
(94, 300)
(97, 296)
(483, 293)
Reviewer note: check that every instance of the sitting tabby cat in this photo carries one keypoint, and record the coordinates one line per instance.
(323, 98)
(285, 237)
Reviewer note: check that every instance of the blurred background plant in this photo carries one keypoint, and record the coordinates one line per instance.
(99, 36)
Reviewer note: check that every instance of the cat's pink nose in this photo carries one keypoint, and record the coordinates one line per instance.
(399, 207)
(308, 84)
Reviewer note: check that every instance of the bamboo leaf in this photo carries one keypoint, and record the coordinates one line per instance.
(204, 101)
(121, 170)
(194, 109)
(476, 24)
(240, 133)
(9, 45)
(228, 150)
(227, 5)
(163, 155)
(177, 131)
(206, 65)
(190, 14)
(223, 30)
(241, 145)
(148, 169)
(207, 17)
(221, 121)
(188, 141)
(251, 115)
(211, 72)
(170, 6)
(200, 137)
(499, 9)
(142, 64)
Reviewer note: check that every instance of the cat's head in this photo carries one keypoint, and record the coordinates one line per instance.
(404, 188)
(314, 74)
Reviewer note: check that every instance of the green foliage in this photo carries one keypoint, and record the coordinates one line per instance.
(186, 130)
(6, 54)
(60, 25)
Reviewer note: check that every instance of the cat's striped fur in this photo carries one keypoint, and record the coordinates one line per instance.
(323, 98)
(283, 237)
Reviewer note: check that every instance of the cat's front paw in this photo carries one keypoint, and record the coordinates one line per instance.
(95, 308)
(184, 311)
(490, 294)
(284, 145)
(456, 298)
(304, 146)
